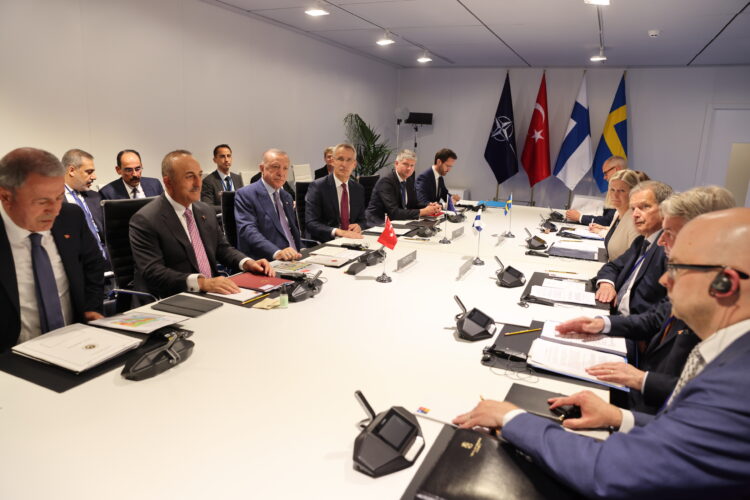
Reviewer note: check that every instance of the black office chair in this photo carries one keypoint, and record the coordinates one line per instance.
(368, 182)
(301, 191)
(227, 217)
(117, 214)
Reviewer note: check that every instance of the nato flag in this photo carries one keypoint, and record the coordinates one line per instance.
(500, 152)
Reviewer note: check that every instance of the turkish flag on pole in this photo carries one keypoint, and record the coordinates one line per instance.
(535, 158)
(388, 236)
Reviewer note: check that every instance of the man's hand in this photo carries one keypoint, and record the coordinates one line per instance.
(261, 266)
(619, 373)
(581, 324)
(91, 316)
(287, 253)
(594, 227)
(430, 209)
(573, 215)
(595, 413)
(486, 414)
(606, 292)
(354, 228)
(349, 234)
(456, 198)
(220, 284)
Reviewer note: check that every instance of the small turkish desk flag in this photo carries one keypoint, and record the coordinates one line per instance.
(388, 236)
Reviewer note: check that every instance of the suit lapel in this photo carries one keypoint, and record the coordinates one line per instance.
(8, 270)
(651, 253)
(268, 208)
(201, 221)
(332, 198)
(171, 222)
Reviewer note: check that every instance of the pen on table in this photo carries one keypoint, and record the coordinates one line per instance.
(415, 239)
(523, 331)
(572, 241)
(558, 272)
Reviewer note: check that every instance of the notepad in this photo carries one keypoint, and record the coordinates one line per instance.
(599, 342)
(564, 295)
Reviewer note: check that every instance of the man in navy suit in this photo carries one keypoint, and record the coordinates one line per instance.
(266, 223)
(130, 185)
(698, 446)
(176, 240)
(631, 282)
(395, 195)
(610, 167)
(335, 204)
(51, 270)
(431, 183)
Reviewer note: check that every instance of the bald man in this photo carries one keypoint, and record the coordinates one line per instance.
(698, 446)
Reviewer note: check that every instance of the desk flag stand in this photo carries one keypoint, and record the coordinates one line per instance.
(387, 239)
(449, 210)
(508, 210)
(477, 225)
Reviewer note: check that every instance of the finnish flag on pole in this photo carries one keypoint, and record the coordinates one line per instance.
(574, 159)
(477, 224)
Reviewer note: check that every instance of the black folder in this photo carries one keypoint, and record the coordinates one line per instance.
(186, 306)
(532, 400)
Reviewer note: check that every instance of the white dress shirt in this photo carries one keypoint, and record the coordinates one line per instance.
(20, 247)
(339, 192)
(129, 189)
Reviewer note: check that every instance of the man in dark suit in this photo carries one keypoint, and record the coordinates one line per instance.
(51, 270)
(266, 223)
(80, 174)
(631, 282)
(335, 204)
(698, 446)
(328, 167)
(176, 240)
(130, 185)
(220, 179)
(431, 183)
(395, 195)
(610, 167)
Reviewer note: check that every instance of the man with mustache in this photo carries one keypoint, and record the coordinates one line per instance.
(131, 184)
(176, 240)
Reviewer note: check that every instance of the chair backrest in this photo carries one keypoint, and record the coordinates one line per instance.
(300, 190)
(368, 182)
(302, 173)
(247, 175)
(117, 214)
(227, 217)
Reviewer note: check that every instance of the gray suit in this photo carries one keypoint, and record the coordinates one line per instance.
(213, 185)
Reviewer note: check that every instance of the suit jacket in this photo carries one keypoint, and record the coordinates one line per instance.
(699, 447)
(93, 201)
(162, 252)
(115, 190)
(646, 289)
(322, 207)
(213, 186)
(604, 220)
(259, 231)
(426, 189)
(386, 199)
(81, 260)
(286, 186)
(321, 172)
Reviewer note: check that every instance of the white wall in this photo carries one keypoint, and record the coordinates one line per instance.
(105, 75)
(667, 113)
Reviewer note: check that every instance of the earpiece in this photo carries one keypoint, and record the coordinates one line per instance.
(723, 283)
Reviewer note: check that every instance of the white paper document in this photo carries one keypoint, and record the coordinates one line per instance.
(244, 295)
(349, 241)
(585, 233)
(564, 295)
(139, 322)
(580, 245)
(400, 231)
(513, 316)
(569, 360)
(77, 347)
(563, 284)
(604, 343)
(340, 252)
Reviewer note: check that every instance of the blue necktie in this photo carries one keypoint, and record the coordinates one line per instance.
(403, 193)
(228, 183)
(50, 310)
(90, 222)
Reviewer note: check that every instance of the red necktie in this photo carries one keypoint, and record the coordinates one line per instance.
(344, 207)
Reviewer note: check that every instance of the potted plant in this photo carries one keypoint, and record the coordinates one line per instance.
(372, 155)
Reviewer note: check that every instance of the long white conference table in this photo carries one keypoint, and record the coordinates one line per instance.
(264, 408)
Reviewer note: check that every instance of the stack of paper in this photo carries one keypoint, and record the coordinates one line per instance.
(571, 295)
(598, 342)
(139, 322)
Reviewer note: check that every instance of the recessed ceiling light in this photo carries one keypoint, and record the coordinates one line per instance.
(386, 40)
(425, 58)
(596, 2)
(316, 11)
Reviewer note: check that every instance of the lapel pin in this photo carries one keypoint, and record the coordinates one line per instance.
(66, 236)
(203, 217)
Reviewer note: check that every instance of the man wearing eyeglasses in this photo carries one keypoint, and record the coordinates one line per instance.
(130, 185)
(698, 445)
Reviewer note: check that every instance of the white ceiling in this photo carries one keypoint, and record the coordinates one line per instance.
(523, 33)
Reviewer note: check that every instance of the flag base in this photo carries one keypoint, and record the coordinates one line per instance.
(445, 241)
(478, 262)
(383, 278)
(508, 234)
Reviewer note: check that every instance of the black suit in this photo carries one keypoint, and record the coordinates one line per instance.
(603, 220)
(386, 199)
(213, 185)
(162, 251)
(83, 265)
(322, 207)
(286, 185)
(93, 201)
(427, 190)
(646, 290)
(321, 172)
(115, 190)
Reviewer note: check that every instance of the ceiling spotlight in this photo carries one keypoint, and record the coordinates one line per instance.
(316, 11)
(425, 58)
(599, 57)
(386, 40)
(596, 2)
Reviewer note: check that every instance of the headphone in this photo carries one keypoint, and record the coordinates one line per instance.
(723, 283)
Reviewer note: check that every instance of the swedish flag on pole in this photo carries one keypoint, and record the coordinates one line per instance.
(614, 141)
(508, 205)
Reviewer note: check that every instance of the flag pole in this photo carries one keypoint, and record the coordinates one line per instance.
(508, 233)
(570, 199)
(531, 201)
(384, 278)
(477, 261)
(445, 240)
(497, 192)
